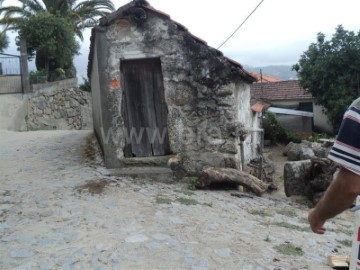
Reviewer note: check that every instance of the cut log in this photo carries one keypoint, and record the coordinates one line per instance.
(232, 176)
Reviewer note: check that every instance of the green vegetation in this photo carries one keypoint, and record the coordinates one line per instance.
(316, 136)
(43, 34)
(292, 226)
(4, 41)
(261, 213)
(185, 192)
(343, 230)
(303, 201)
(193, 182)
(161, 200)
(330, 70)
(288, 213)
(276, 132)
(181, 200)
(267, 238)
(304, 220)
(289, 249)
(85, 86)
(346, 243)
(187, 201)
(50, 27)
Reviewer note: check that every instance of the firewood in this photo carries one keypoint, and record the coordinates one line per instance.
(232, 176)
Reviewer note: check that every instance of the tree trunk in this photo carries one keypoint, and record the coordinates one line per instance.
(232, 176)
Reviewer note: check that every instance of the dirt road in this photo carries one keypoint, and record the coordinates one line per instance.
(52, 218)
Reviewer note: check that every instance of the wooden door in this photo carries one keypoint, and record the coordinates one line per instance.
(144, 108)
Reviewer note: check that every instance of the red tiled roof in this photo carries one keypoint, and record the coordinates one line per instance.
(264, 78)
(283, 90)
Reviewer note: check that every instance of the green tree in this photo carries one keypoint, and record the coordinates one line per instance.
(81, 14)
(4, 41)
(330, 71)
(66, 17)
(43, 34)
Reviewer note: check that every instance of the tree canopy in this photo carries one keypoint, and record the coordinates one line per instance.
(81, 14)
(51, 38)
(4, 41)
(50, 26)
(330, 71)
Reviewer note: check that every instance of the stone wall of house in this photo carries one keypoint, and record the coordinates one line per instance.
(64, 108)
(203, 92)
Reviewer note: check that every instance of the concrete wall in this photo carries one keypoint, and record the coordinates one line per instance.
(321, 122)
(206, 102)
(13, 110)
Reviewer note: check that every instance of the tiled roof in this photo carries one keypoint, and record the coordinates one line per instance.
(283, 90)
(264, 78)
(109, 19)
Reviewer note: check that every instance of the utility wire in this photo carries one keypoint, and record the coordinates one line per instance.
(241, 24)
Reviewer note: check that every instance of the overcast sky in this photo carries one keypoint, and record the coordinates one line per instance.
(276, 34)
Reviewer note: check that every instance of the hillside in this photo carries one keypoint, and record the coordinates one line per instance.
(281, 72)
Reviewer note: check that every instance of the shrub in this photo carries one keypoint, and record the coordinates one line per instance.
(276, 132)
(85, 86)
(38, 76)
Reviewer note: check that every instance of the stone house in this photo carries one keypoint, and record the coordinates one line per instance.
(161, 93)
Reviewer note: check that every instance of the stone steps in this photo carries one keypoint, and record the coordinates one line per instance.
(152, 173)
(154, 161)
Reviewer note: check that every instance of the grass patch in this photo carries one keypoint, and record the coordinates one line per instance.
(289, 249)
(304, 220)
(267, 238)
(185, 192)
(161, 200)
(187, 201)
(193, 182)
(303, 201)
(344, 231)
(346, 243)
(208, 204)
(288, 213)
(292, 226)
(261, 213)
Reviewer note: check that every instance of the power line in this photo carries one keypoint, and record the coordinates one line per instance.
(241, 24)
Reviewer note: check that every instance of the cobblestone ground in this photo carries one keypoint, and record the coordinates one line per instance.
(51, 217)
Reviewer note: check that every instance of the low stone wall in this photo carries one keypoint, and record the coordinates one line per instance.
(52, 86)
(52, 108)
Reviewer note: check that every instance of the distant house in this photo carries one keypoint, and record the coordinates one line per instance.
(159, 92)
(262, 78)
(289, 98)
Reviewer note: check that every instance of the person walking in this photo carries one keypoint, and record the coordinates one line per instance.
(345, 186)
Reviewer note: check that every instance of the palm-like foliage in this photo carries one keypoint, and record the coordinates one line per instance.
(80, 14)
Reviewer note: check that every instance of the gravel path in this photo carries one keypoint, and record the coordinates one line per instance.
(52, 218)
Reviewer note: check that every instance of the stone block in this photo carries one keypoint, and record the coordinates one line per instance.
(295, 173)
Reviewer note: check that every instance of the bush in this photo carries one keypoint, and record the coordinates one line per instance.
(85, 86)
(38, 76)
(276, 132)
